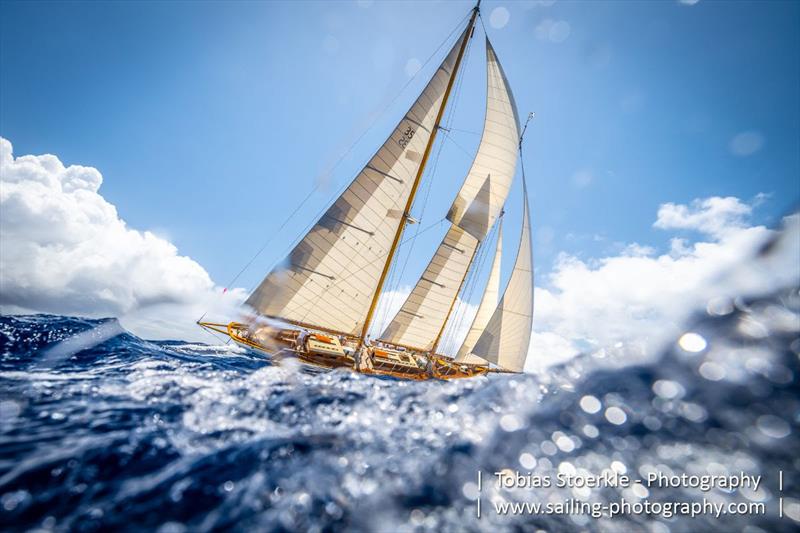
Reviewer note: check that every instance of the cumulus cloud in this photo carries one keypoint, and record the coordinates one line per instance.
(64, 249)
(714, 216)
(625, 306)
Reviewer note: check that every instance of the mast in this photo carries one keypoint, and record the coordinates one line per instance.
(426, 154)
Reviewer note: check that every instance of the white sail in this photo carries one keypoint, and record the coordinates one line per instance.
(329, 278)
(506, 337)
(422, 315)
(495, 160)
(477, 205)
(486, 308)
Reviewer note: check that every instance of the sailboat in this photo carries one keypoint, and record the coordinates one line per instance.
(317, 306)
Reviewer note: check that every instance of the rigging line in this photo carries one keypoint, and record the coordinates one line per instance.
(480, 16)
(342, 157)
(452, 140)
(459, 130)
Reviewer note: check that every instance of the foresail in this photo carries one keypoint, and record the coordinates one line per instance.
(486, 307)
(329, 278)
(496, 159)
(422, 315)
(506, 337)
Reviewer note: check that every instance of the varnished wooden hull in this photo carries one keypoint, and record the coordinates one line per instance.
(384, 362)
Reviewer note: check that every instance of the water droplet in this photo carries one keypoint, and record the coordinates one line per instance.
(591, 431)
(712, 371)
(616, 416)
(565, 443)
(773, 427)
(412, 67)
(527, 460)
(791, 508)
(692, 342)
(720, 306)
(669, 390)
(470, 491)
(510, 423)
(499, 17)
(590, 404)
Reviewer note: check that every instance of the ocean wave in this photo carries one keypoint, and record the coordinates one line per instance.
(113, 432)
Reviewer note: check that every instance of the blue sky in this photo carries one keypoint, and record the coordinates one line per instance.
(212, 121)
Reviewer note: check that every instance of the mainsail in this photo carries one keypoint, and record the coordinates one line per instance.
(507, 335)
(486, 308)
(420, 321)
(329, 278)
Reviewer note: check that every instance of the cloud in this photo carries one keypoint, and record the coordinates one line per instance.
(65, 250)
(626, 306)
(714, 216)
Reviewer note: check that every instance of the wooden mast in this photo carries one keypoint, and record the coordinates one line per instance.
(407, 211)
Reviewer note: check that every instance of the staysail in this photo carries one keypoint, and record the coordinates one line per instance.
(507, 335)
(329, 278)
(486, 308)
(421, 319)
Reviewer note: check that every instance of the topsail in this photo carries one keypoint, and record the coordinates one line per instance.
(421, 319)
(329, 278)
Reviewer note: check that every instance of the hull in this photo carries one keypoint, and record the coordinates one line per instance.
(323, 352)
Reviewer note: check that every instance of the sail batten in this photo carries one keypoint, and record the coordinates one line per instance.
(477, 205)
(329, 278)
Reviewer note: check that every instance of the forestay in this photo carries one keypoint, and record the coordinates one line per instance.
(329, 278)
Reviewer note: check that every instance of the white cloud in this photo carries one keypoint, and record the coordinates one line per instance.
(714, 216)
(626, 306)
(65, 250)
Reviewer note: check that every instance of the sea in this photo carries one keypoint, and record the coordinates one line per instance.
(101, 430)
